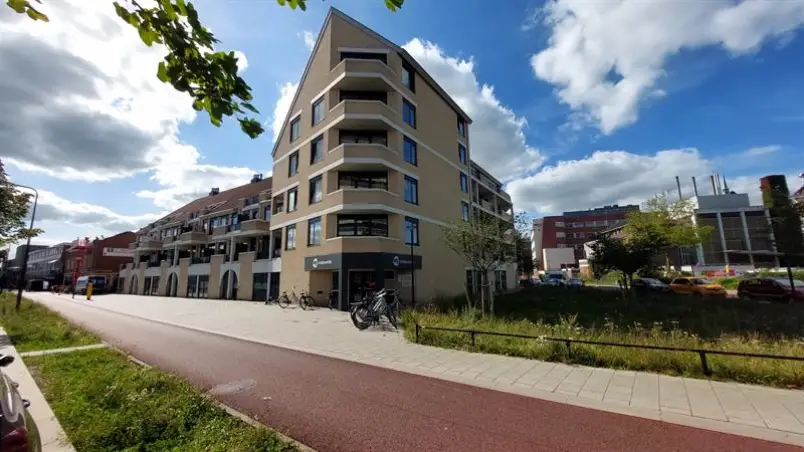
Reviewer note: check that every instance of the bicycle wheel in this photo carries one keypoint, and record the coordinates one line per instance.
(392, 317)
(305, 302)
(283, 301)
(360, 316)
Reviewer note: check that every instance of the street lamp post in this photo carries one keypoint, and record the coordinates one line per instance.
(27, 246)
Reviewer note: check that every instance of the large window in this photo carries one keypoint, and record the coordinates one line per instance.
(464, 183)
(364, 137)
(293, 164)
(408, 77)
(290, 237)
(316, 190)
(461, 127)
(411, 231)
(411, 190)
(365, 56)
(295, 129)
(411, 153)
(314, 231)
(349, 179)
(464, 211)
(293, 199)
(317, 150)
(379, 96)
(462, 153)
(362, 225)
(409, 113)
(318, 110)
(279, 204)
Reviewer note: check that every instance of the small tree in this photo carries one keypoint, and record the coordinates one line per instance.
(615, 254)
(663, 226)
(484, 243)
(14, 206)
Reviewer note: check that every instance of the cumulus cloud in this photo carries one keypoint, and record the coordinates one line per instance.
(54, 208)
(605, 58)
(606, 177)
(497, 134)
(242, 61)
(286, 93)
(762, 150)
(309, 39)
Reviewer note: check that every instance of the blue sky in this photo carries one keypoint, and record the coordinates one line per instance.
(576, 104)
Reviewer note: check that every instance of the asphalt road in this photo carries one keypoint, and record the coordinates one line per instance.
(335, 405)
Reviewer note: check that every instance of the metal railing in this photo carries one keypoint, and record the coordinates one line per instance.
(702, 353)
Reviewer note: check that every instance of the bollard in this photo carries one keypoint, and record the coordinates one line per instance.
(89, 291)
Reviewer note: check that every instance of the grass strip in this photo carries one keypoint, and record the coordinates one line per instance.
(105, 402)
(36, 327)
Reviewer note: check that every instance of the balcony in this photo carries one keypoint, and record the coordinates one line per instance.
(220, 230)
(194, 237)
(199, 260)
(361, 151)
(363, 75)
(263, 254)
(169, 239)
(147, 245)
(152, 264)
(362, 114)
(362, 196)
(255, 226)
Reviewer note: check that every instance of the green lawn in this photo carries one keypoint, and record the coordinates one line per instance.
(105, 402)
(599, 315)
(36, 327)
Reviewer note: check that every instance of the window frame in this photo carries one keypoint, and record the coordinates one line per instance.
(295, 192)
(317, 142)
(406, 104)
(374, 180)
(318, 103)
(414, 146)
(356, 225)
(461, 127)
(462, 153)
(411, 73)
(414, 237)
(295, 122)
(415, 184)
(464, 182)
(310, 223)
(288, 242)
(466, 213)
(315, 180)
(294, 157)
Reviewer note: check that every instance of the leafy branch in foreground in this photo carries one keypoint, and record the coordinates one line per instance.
(192, 65)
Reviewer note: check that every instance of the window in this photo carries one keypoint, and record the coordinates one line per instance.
(365, 56)
(290, 237)
(462, 153)
(411, 231)
(408, 77)
(560, 235)
(364, 137)
(318, 111)
(279, 204)
(294, 129)
(464, 211)
(409, 113)
(411, 190)
(314, 231)
(293, 199)
(411, 155)
(317, 149)
(316, 190)
(559, 224)
(348, 179)
(464, 183)
(267, 214)
(461, 127)
(293, 164)
(362, 225)
(379, 96)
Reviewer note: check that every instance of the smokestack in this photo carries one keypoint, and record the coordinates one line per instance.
(694, 186)
(714, 187)
(678, 185)
(719, 187)
(725, 185)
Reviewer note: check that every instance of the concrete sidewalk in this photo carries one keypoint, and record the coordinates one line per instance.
(53, 437)
(760, 412)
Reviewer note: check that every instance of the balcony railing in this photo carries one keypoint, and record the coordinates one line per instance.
(263, 254)
(152, 264)
(199, 260)
(276, 253)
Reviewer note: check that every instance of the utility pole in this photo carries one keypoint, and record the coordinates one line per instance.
(27, 246)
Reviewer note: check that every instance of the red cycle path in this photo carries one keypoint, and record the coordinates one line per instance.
(334, 405)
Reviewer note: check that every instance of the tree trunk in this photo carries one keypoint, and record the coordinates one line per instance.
(482, 293)
(666, 263)
(491, 299)
(469, 303)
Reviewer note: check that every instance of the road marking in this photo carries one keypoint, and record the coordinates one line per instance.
(62, 350)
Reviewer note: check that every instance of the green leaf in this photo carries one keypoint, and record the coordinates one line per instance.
(181, 7)
(148, 36)
(17, 5)
(161, 72)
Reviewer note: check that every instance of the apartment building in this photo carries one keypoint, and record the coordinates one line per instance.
(102, 256)
(373, 159)
(46, 264)
(574, 228)
(218, 246)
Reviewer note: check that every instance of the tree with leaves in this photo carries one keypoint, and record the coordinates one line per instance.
(192, 64)
(615, 254)
(14, 205)
(665, 225)
(484, 242)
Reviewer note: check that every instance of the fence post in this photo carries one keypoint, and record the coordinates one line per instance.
(417, 332)
(473, 338)
(704, 364)
(569, 349)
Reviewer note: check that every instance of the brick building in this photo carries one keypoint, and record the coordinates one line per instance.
(100, 256)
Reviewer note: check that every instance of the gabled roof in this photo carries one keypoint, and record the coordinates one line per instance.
(402, 52)
(224, 200)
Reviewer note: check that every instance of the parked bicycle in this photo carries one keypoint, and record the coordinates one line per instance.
(284, 300)
(305, 300)
(332, 300)
(372, 308)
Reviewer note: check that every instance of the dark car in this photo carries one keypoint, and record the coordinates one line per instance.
(18, 432)
(649, 285)
(770, 289)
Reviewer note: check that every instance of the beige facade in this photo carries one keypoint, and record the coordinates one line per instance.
(353, 192)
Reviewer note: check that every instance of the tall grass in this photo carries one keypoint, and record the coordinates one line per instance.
(36, 327)
(732, 325)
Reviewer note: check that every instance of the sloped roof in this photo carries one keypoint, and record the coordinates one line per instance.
(222, 201)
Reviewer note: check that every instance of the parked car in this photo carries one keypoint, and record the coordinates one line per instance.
(770, 289)
(700, 287)
(18, 432)
(555, 279)
(649, 285)
(575, 282)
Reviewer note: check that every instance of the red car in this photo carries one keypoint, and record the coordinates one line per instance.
(770, 289)
(18, 432)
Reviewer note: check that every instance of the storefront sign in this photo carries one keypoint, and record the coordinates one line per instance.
(118, 252)
(325, 262)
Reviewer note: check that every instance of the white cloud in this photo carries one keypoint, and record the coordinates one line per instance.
(607, 177)
(605, 58)
(762, 150)
(242, 61)
(309, 38)
(53, 208)
(497, 137)
(286, 93)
